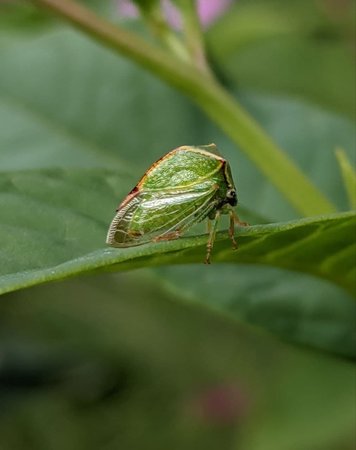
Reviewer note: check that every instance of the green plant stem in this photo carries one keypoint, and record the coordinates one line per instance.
(212, 98)
(194, 36)
(158, 25)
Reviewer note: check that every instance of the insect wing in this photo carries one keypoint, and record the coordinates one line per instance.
(181, 212)
(119, 231)
(153, 215)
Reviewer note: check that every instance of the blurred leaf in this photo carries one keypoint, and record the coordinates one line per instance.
(299, 308)
(66, 102)
(349, 176)
(300, 48)
(19, 16)
(49, 234)
(178, 359)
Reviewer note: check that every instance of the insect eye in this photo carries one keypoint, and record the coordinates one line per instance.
(231, 197)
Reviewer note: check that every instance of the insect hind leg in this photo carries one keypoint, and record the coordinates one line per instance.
(212, 234)
(232, 229)
(237, 220)
(234, 220)
(168, 236)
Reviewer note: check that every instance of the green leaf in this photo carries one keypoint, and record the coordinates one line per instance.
(81, 107)
(50, 234)
(349, 176)
(297, 307)
(22, 16)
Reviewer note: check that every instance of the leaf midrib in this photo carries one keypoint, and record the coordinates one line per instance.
(161, 253)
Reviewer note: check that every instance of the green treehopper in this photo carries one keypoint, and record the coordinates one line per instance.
(179, 190)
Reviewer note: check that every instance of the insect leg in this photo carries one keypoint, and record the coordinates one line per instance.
(232, 229)
(237, 220)
(167, 236)
(212, 234)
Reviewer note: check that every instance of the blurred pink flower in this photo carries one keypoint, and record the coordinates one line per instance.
(222, 404)
(209, 11)
(127, 9)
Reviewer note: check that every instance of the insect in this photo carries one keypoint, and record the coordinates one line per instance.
(182, 188)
